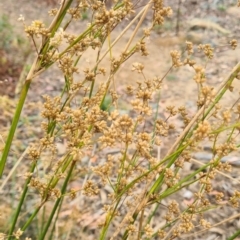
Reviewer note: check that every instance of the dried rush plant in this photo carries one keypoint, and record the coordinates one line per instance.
(137, 179)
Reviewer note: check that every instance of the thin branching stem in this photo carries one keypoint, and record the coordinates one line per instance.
(58, 201)
(21, 201)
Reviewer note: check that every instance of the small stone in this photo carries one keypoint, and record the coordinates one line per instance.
(188, 194)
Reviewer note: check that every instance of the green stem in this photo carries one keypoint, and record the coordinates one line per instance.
(23, 98)
(56, 218)
(235, 235)
(153, 212)
(14, 126)
(158, 183)
(21, 201)
(30, 219)
(42, 220)
(55, 179)
(63, 190)
(32, 216)
(54, 27)
(108, 221)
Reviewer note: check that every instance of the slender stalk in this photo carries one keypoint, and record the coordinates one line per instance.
(42, 220)
(32, 73)
(108, 221)
(221, 90)
(140, 225)
(138, 26)
(10, 174)
(32, 216)
(235, 235)
(178, 17)
(14, 126)
(55, 220)
(24, 194)
(30, 219)
(57, 203)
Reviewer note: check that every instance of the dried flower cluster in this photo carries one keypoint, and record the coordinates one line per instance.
(129, 164)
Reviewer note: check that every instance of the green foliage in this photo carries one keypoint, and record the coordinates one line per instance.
(222, 8)
(84, 15)
(9, 38)
(6, 32)
(106, 104)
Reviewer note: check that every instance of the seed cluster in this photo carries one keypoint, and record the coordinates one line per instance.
(136, 175)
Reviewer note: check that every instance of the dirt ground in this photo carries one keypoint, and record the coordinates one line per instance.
(219, 22)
